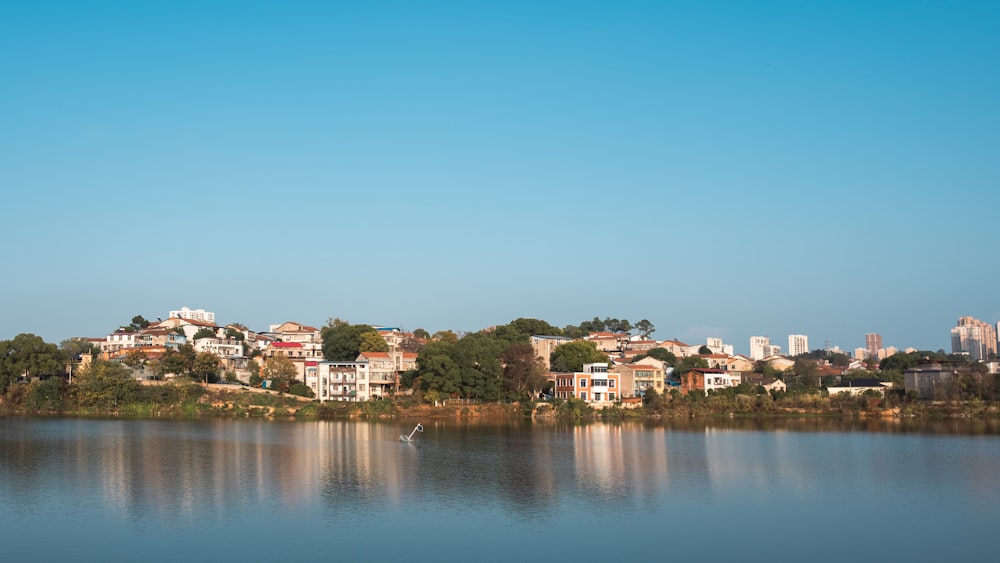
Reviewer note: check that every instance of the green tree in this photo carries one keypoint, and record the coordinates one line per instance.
(342, 341)
(445, 336)
(203, 332)
(28, 356)
(372, 341)
(663, 355)
(689, 363)
(437, 370)
(523, 371)
(206, 366)
(704, 350)
(135, 358)
(478, 358)
(234, 333)
(105, 385)
(522, 329)
(571, 356)
(645, 328)
(139, 323)
(280, 370)
(76, 347)
(422, 334)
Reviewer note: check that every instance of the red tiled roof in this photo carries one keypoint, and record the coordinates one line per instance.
(375, 354)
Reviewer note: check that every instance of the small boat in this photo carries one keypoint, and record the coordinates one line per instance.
(405, 438)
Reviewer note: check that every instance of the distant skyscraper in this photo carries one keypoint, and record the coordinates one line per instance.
(797, 344)
(873, 343)
(974, 337)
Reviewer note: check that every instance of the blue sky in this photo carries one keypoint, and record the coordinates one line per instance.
(720, 168)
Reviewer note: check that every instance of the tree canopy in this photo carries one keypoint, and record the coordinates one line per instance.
(571, 357)
(342, 340)
(27, 355)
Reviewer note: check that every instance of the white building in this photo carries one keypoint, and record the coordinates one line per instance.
(195, 315)
(760, 348)
(797, 344)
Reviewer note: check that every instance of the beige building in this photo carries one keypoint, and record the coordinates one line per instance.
(636, 378)
(544, 345)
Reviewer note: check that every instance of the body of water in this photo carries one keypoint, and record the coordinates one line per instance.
(225, 490)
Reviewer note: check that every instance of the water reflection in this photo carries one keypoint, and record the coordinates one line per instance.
(168, 481)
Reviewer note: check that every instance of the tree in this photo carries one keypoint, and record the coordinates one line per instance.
(105, 385)
(663, 355)
(254, 368)
(135, 358)
(76, 347)
(28, 356)
(445, 336)
(203, 332)
(522, 329)
(280, 370)
(645, 328)
(523, 371)
(704, 350)
(372, 341)
(437, 370)
(571, 356)
(689, 363)
(421, 334)
(342, 341)
(206, 366)
(234, 333)
(139, 323)
(478, 358)
(177, 362)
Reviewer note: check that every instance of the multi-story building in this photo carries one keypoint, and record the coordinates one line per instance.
(761, 347)
(974, 337)
(873, 343)
(544, 345)
(193, 315)
(797, 344)
(383, 379)
(595, 385)
(637, 378)
(339, 381)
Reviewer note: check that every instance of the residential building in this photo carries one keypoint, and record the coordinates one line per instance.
(383, 379)
(295, 332)
(739, 364)
(637, 378)
(595, 385)
(717, 346)
(609, 342)
(200, 315)
(974, 337)
(930, 380)
(761, 347)
(855, 387)
(676, 347)
(768, 383)
(707, 379)
(544, 345)
(797, 344)
(339, 381)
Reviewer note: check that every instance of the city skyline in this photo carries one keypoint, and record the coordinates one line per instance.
(457, 166)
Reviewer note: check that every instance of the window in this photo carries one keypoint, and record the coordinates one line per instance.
(583, 395)
(583, 383)
(611, 384)
(611, 396)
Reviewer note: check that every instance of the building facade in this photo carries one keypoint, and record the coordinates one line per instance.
(974, 337)
(797, 344)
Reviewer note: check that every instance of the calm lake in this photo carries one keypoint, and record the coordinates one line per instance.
(223, 490)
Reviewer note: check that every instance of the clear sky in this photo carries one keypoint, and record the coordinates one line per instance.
(719, 168)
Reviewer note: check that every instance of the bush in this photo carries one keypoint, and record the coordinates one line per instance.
(301, 390)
